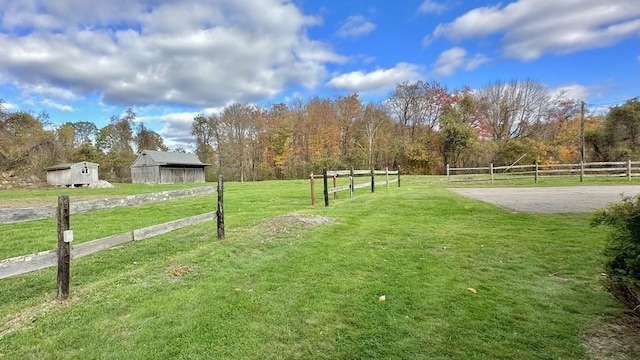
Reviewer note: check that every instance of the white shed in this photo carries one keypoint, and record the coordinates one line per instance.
(72, 174)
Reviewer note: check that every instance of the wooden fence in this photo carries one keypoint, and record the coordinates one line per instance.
(581, 170)
(65, 252)
(351, 175)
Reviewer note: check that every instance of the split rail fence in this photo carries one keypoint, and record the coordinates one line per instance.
(536, 171)
(65, 252)
(351, 185)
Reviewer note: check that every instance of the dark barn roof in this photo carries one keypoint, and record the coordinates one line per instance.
(173, 158)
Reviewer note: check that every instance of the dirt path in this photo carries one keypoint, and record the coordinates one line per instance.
(570, 199)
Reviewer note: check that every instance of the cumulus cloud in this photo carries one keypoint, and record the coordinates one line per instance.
(449, 61)
(377, 80)
(192, 52)
(432, 7)
(355, 26)
(531, 28)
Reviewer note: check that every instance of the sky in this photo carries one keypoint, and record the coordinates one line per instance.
(170, 60)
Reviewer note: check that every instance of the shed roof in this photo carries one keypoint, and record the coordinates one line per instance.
(173, 158)
(64, 166)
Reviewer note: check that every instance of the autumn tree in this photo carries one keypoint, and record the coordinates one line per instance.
(510, 109)
(115, 141)
(234, 134)
(417, 109)
(348, 112)
(276, 141)
(146, 139)
(619, 138)
(25, 145)
(375, 120)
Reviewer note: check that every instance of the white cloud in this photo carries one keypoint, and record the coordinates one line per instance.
(192, 52)
(531, 28)
(571, 91)
(52, 104)
(449, 61)
(427, 40)
(356, 26)
(432, 7)
(477, 60)
(175, 127)
(377, 80)
(7, 106)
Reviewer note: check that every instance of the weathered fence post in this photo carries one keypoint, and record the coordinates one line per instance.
(373, 180)
(581, 170)
(351, 184)
(448, 175)
(629, 170)
(387, 176)
(64, 247)
(313, 190)
(535, 174)
(326, 187)
(398, 175)
(491, 171)
(335, 184)
(220, 211)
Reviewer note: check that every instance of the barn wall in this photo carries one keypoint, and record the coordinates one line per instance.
(179, 175)
(145, 175)
(60, 177)
(83, 174)
(143, 160)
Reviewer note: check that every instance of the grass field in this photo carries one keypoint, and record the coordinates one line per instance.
(461, 279)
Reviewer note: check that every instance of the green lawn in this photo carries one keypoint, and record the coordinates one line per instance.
(314, 292)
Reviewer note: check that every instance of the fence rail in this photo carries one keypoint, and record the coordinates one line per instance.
(13, 215)
(492, 173)
(65, 252)
(351, 185)
(27, 263)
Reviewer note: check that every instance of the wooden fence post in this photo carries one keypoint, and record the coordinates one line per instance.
(398, 175)
(220, 211)
(313, 190)
(326, 187)
(64, 248)
(387, 176)
(491, 171)
(373, 180)
(335, 184)
(448, 175)
(535, 174)
(581, 171)
(629, 170)
(351, 184)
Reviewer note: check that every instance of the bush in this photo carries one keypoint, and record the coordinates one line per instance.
(623, 249)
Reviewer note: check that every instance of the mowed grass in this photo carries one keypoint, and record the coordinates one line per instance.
(315, 292)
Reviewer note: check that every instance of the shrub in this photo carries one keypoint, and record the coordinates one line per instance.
(623, 249)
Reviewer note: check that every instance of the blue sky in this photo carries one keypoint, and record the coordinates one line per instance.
(170, 60)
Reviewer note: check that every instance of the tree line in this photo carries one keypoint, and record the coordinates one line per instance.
(29, 143)
(421, 127)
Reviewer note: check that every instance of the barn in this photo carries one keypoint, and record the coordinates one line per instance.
(72, 174)
(152, 167)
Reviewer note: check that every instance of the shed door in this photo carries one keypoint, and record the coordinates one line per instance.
(178, 175)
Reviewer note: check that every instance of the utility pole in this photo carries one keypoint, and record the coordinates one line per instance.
(582, 131)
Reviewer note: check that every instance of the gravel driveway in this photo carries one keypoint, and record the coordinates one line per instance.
(570, 199)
